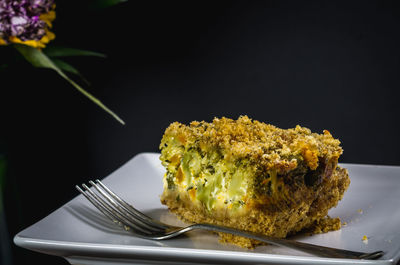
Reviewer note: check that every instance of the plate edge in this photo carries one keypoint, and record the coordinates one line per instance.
(149, 253)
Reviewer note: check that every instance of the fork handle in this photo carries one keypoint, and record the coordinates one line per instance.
(305, 247)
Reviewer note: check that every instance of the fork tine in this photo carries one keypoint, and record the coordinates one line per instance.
(104, 210)
(131, 209)
(97, 205)
(149, 226)
(115, 219)
(119, 217)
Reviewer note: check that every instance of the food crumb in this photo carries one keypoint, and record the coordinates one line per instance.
(365, 239)
(344, 223)
(325, 225)
(360, 211)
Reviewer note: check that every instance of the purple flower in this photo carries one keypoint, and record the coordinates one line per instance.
(21, 18)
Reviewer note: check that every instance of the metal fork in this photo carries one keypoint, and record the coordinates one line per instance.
(143, 226)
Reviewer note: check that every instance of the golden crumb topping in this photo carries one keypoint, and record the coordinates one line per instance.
(272, 147)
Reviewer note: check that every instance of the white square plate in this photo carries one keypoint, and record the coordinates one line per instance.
(80, 233)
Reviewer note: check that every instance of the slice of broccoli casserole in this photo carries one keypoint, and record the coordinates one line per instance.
(252, 176)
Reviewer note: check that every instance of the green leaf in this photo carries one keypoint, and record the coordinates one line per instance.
(106, 3)
(38, 59)
(65, 66)
(65, 51)
(69, 68)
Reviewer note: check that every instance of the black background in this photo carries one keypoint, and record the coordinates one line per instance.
(321, 64)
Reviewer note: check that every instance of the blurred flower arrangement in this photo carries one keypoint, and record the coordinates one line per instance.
(26, 25)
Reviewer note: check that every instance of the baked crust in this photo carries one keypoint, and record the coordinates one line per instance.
(263, 143)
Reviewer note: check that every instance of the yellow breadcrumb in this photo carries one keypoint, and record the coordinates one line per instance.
(269, 145)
